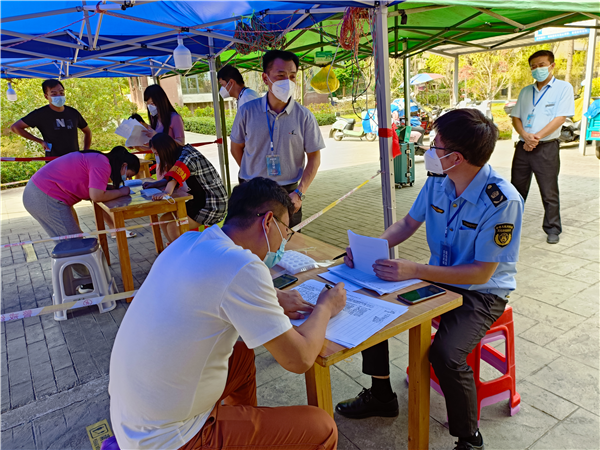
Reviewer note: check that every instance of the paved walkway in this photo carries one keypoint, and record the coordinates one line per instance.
(54, 374)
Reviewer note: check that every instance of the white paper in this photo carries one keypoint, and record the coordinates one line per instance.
(134, 132)
(366, 250)
(351, 287)
(372, 282)
(361, 318)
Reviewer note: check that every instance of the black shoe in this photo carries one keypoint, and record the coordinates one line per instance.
(366, 405)
(466, 445)
(552, 239)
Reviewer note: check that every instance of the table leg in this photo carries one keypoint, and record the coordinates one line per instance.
(182, 214)
(419, 339)
(100, 226)
(318, 388)
(124, 254)
(147, 171)
(158, 242)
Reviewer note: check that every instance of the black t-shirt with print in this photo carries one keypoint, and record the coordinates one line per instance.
(57, 128)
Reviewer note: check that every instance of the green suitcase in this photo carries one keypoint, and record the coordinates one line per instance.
(404, 166)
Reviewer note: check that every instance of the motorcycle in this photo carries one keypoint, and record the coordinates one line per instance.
(345, 128)
(417, 134)
(570, 131)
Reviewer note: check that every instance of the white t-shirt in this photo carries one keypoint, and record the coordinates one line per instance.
(169, 362)
(247, 95)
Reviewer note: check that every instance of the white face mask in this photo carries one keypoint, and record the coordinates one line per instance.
(283, 89)
(153, 110)
(224, 92)
(433, 163)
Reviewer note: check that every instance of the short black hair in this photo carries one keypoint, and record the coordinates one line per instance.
(49, 84)
(539, 53)
(227, 73)
(272, 55)
(469, 132)
(257, 196)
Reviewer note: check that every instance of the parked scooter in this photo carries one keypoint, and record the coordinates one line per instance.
(416, 136)
(570, 131)
(345, 128)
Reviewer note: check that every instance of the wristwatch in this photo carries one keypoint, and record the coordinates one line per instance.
(300, 194)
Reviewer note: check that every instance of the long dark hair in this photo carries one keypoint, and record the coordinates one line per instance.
(163, 105)
(167, 149)
(118, 156)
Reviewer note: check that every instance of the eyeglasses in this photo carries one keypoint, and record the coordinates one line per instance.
(290, 232)
(435, 147)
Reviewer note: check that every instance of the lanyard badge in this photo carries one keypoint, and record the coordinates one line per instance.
(531, 116)
(273, 163)
(445, 248)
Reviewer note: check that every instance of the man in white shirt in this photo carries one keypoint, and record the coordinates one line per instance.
(178, 379)
(232, 85)
(538, 116)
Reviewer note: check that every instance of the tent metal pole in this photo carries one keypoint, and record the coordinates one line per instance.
(406, 64)
(587, 91)
(384, 119)
(41, 39)
(225, 143)
(212, 64)
(455, 83)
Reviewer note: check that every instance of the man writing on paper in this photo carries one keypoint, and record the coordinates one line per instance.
(176, 359)
(538, 116)
(473, 231)
(271, 135)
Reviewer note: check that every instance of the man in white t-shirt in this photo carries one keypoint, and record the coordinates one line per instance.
(178, 379)
(232, 85)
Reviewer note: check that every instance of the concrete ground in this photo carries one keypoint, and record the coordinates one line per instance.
(54, 375)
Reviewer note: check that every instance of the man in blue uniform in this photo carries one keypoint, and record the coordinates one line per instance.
(538, 116)
(473, 231)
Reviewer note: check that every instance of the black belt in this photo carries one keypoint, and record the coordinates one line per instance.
(288, 187)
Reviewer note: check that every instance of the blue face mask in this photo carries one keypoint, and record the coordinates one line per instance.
(124, 177)
(59, 101)
(273, 258)
(540, 74)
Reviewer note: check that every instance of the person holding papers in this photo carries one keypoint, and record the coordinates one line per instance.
(179, 377)
(473, 230)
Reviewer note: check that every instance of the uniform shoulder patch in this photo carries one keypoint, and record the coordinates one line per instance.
(436, 209)
(495, 194)
(469, 224)
(503, 234)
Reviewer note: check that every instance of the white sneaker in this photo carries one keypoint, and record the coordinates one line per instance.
(130, 234)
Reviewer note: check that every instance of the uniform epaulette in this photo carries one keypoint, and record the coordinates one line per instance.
(495, 194)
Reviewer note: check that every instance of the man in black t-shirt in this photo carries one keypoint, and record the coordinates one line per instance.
(57, 123)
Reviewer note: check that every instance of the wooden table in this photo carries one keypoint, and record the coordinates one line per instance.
(144, 168)
(417, 320)
(131, 207)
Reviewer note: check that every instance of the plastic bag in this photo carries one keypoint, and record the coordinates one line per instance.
(320, 81)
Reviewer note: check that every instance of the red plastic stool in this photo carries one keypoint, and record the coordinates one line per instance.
(502, 388)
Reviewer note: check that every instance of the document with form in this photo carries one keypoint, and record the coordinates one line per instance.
(365, 251)
(360, 319)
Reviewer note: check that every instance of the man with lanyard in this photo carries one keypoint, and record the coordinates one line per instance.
(57, 123)
(538, 116)
(232, 85)
(271, 135)
(473, 231)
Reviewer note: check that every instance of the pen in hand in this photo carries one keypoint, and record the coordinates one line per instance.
(340, 256)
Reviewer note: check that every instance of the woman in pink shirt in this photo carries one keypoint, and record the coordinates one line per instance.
(56, 187)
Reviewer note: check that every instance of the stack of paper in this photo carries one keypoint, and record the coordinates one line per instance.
(134, 132)
(361, 318)
(365, 252)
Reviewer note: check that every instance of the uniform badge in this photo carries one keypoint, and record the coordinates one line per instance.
(503, 234)
(437, 210)
(495, 194)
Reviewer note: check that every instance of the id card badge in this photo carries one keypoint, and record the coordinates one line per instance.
(273, 165)
(445, 254)
(529, 120)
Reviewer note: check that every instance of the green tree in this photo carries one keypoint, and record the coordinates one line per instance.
(101, 101)
(491, 71)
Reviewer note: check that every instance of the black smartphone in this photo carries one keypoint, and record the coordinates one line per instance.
(418, 295)
(284, 281)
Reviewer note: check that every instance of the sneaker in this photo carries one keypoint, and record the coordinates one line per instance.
(465, 445)
(129, 234)
(366, 405)
(85, 288)
(552, 239)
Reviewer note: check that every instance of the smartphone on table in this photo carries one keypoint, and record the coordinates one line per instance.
(418, 295)
(284, 281)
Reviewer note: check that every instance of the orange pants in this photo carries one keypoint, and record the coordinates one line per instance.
(238, 423)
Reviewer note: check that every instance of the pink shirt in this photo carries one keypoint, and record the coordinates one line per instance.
(176, 130)
(70, 177)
